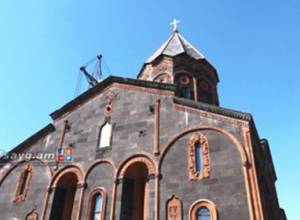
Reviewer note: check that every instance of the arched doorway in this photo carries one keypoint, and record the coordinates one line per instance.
(64, 195)
(134, 192)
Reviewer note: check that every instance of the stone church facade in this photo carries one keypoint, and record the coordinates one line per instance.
(158, 147)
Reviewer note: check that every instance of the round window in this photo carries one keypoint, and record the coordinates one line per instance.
(184, 80)
(204, 85)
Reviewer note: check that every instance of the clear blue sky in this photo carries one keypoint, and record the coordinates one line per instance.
(253, 44)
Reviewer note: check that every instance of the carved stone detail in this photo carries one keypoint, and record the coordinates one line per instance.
(32, 216)
(26, 175)
(151, 176)
(162, 78)
(110, 95)
(108, 110)
(174, 209)
(205, 171)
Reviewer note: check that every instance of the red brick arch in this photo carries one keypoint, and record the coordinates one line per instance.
(140, 158)
(200, 204)
(77, 170)
(236, 142)
(16, 164)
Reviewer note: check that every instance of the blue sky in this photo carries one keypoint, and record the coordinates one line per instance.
(253, 44)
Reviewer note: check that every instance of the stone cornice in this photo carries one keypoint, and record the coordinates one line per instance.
(214, 109)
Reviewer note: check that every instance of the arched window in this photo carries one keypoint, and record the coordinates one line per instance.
(204, 91)
(105, 134)
(97, 207)
(203, 213)
(203, 210)
(198, 157)
(97, 204)
(162, 78)
(23, 183)
(184, 86)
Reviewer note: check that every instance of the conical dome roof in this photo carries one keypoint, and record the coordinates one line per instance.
(176, 44)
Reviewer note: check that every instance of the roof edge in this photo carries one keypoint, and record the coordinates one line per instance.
(214, 109)
(102, 85)
(34, 138)
(267, 148)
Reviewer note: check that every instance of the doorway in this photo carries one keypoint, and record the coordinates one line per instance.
(64, 195)
(134, 192)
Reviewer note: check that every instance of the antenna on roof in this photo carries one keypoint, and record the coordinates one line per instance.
(96, 75)
(92, 77)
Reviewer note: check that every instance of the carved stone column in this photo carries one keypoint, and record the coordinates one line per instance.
(118, 199)
(150, 196)
(77, 199)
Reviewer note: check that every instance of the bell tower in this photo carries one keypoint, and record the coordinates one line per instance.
(180, 63)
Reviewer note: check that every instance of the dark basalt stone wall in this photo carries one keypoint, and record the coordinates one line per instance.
(102, 175)
(35, 196)
(131, 114)
(225, 186)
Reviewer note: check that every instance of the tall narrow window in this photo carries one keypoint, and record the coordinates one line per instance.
(198, 157)
(23, 184)
(204, 91)
(97, 204)
(105, 135)
(203, 213)
(97, 207)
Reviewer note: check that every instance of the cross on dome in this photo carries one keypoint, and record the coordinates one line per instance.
(175, 23)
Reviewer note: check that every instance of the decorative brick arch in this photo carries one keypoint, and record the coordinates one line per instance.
(204, 173)
(15, 165)
(149, 181)
(203, 203)
(183, 71)
(141, 158)
(163, 75)
(23, 183)
(77, 170)
(235, 141)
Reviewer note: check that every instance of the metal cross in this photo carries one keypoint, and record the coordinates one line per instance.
(175, 23)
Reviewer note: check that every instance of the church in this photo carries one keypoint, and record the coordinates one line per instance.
(159, 147)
